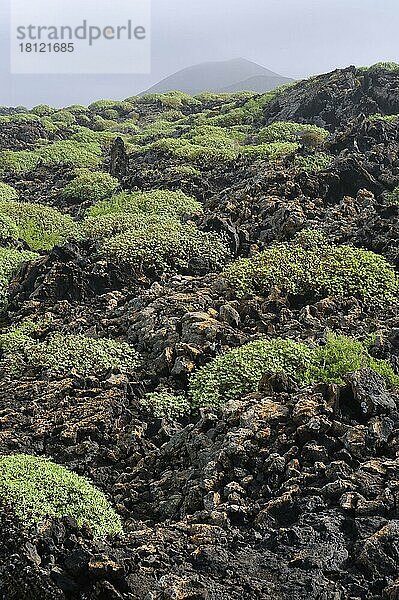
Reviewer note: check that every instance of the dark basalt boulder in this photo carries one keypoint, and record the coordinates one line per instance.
(335, 98)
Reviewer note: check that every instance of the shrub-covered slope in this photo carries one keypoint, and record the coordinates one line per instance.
(199, 344)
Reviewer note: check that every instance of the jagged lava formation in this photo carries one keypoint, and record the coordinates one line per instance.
(199, 345)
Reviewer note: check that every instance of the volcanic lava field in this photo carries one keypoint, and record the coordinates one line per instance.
(199, 345)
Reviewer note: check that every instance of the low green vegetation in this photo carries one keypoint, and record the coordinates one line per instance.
(174, 100)
(63, 117)
(68, 152)
(186, 151)
(164, 243)
(246, 114)
(60, 354)
(7, 192)
(36, 488)
(341, 355)
(185, 172)
(384, 66)
(118, 107)
(159, 202)
(90, 187)
(284, 131)
(270, 151)
(311, 267)
(10, 261)
(238, 372)
(393, 197)
(313, 162)
(40, 226)
(87, 136)
(165, 405)
(64, 152)
(386, 118)
(157, 130)
(109, 225)
(19, 118)
(18, 162)
(215, 137)
(8, 228)
(43, 110)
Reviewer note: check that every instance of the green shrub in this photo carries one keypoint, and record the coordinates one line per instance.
(64, 117)
(60, 354)
(314, 162)
(271, 151)
(384, 66)
(18, 162)
(164, 405)
(184, 172)
(41, 227)
(120, 107)
(193, 153)
(49, 126)
(90, 187)
(155, 131)
(68, 152)
(172, 115)
(282, 131)
(19, 118)
(239, 371)
(77, 109)
(87, 136)
(174, 99)
(7, 192)
(101, 124)
(386, 118)
(43, 110)
(217, 138)
(18, 337)
(246, 114)
(309, 266)
(8, 228)
(164, 243)
(108, 225)
(36, 488)
(223, 97)
(10, 261)
(393, 197)
(160, 202)
(341, 355)
(129, 127)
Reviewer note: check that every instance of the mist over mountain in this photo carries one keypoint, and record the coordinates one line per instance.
(221, 76)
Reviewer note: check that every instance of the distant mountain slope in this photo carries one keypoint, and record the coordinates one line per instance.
(258, 83)
(224, 76)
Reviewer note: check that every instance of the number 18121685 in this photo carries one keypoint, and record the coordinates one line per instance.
(43, 47)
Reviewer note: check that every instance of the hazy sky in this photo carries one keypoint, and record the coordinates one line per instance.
(295, 38)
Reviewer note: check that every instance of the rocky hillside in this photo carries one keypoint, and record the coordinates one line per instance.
(199, 345)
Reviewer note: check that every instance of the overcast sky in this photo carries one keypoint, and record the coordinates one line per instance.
(295, 38)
